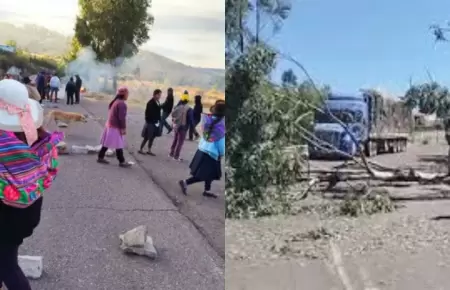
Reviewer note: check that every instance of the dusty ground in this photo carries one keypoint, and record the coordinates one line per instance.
(319, 250)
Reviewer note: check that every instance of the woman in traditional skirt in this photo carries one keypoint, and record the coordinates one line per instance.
(113, 136)
(206, 166)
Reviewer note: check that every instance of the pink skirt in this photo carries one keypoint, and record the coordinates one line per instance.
(112, 139)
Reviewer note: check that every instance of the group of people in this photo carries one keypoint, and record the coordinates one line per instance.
(206, 164)
(48, 86)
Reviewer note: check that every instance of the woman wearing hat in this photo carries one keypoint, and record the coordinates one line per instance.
(28, 165)
(113, 136)
(206, 164)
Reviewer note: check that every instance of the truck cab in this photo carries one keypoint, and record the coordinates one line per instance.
(352, 110)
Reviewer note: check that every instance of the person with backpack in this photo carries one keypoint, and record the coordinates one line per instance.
(182, 120)
(152, 127)
(198, 110)
(28, 166)
(206, 164)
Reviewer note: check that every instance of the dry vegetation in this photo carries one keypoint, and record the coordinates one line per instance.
(140, 92)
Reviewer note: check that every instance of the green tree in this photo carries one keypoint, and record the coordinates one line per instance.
(263, 118)
(114, 29)
(74, 49)
(288, 78)
(270, 13)
(429, 98)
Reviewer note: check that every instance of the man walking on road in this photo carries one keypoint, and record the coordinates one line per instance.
(152, 127)
(55, 83)
(70, 91)
(167, 108)
(40, 85)
(78, 85)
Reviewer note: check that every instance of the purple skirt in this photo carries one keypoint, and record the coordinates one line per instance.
(112, 139)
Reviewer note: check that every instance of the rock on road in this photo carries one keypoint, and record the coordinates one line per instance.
(90, 204)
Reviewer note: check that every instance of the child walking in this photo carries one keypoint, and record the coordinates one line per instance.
(206, 164)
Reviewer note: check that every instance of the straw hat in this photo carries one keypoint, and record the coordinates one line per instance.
(19, 113)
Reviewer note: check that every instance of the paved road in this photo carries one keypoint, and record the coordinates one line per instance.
(208, 215)
(86, 209)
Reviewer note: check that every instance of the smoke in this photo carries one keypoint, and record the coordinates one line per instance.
(98, 76)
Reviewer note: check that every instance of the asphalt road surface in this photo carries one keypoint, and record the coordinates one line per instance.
(207, 215)
(90, 204)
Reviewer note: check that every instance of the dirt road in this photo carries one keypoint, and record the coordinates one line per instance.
(403, 250)
(91, 204)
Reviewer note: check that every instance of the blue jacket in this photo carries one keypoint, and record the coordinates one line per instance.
(213, 149)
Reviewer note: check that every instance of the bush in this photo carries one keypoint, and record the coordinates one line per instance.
(263, 119)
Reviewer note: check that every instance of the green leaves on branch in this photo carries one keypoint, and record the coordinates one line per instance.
(429, 98)
(113, 28)
(263, 119)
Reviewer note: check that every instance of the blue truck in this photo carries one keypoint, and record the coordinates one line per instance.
(379, 124)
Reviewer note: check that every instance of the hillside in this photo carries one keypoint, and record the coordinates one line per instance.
(153, 67)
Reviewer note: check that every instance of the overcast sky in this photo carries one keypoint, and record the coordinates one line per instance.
(189, 31)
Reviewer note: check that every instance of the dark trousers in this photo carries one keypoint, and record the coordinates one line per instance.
(149, 133)
(41, 91)
(119, 154)
(10, 273)
(77, 96)
(193, 130)
(192, 180)
(70, 98)
(164, 121)
(150, 140)
(177, 144)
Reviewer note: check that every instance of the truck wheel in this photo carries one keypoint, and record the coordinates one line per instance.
(371, 149)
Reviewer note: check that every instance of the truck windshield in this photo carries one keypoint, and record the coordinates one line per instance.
(346, 116)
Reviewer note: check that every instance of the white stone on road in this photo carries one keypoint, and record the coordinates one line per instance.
(136, 241)
(32, 266)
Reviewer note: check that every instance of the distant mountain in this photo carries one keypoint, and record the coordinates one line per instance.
(153, 67)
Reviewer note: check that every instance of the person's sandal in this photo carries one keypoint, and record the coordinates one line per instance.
(150, 153)
(141, 152)
(209, 194)
(102, 161)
